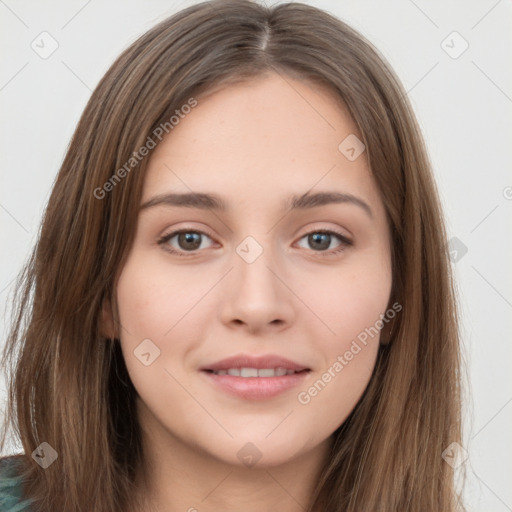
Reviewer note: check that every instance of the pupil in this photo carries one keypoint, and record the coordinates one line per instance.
(189, 238)
(315, 237)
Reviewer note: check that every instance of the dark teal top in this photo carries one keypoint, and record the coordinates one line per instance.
(11, 497)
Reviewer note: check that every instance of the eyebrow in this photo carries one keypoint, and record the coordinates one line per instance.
(206, 201)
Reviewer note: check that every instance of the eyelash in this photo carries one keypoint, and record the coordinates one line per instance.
(345, 242)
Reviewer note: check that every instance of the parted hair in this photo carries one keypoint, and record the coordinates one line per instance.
(68, 385)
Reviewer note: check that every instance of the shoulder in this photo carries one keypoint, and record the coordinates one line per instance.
(11, 497)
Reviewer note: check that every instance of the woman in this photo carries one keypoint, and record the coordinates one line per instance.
(255, 369)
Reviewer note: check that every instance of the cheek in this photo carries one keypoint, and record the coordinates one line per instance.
(331, 395)
(348, 306)
(150, 301)
(162, 304)
(346, 302)
(348, 356)
(145, 315)
(150, 305)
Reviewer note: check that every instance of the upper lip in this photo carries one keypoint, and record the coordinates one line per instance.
(247, 361)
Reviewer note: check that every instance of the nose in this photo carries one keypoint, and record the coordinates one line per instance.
(256, 296)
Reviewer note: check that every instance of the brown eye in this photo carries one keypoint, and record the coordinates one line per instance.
(320, 241)
(186, 241)
(189, 241)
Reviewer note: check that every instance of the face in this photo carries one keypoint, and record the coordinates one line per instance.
(259, 281)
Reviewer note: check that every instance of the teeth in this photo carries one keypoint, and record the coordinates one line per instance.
(255, 372)
(248, 372)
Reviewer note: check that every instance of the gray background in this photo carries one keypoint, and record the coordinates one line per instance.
(464, 107)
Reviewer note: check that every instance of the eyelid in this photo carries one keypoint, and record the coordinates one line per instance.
(343, 233)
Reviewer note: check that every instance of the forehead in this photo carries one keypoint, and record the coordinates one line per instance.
(271, 136)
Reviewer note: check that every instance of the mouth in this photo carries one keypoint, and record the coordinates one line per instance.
(255, 378)
(256, 372)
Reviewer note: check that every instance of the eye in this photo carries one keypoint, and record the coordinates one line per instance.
(321, 240)
(187, 240)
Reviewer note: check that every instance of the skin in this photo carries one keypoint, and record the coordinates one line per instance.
(254, 144)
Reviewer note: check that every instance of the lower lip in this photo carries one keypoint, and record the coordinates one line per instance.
(255, 388)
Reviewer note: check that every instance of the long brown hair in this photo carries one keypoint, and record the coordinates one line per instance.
(68, 386)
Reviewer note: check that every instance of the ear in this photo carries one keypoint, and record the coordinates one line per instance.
(106, 323)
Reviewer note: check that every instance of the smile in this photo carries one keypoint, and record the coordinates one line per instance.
(255, 372)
